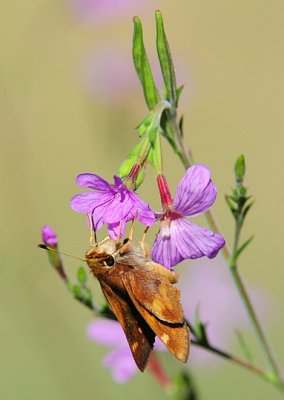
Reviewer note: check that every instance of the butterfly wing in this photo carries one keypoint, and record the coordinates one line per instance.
(155, 293)
(158, 302)
(139, 335)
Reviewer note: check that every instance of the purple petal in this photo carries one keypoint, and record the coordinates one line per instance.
(159, 345)
(106, 332)
(184, 240)
(193, 241)
(116, 230)
(127, 207)
(196, 191)
(86, 202)
(93, 181)
(117, 181)
(164, 250)
(122, 365)
(49, 236)
(118, 208)
(143, 212)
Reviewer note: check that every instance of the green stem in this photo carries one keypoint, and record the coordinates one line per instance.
(187, 160)
(236, 360)
(255, 323)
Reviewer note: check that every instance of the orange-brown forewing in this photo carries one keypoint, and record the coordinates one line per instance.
(159, 304)
(142, 296)
(139, 335)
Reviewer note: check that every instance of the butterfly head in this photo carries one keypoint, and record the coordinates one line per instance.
(102, 255)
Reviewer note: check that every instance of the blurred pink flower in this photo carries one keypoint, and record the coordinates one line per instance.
(207, 285)
(109, 73)
(119, 360)
(101, 11)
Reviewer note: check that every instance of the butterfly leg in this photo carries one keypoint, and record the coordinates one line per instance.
(131, 230)
(119, 232)
(93, 234)
(144, 246)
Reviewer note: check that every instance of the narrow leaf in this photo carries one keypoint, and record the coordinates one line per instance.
(232, 206)
(165, 58)
(179, 92)
(131, 159)
(142, 66)
(247, 208)
(200, 328)
(81, 276)
(243, 246)
(76, 291)
(181, 125)
(154, 156)
(244, 346)
(143, 126)
(183, 387)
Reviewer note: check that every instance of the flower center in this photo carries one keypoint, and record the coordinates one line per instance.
(171, 215)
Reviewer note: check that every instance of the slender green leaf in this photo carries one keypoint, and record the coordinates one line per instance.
(200, 328)
(183, 387)
(247, 208)
(76, 291)
(142, 66)
(232, 205)
(81, 276)
(154, 156)
(140, 178)
(143, 126)
(244, 346)
(181, 125)
(243, 246)
(179, 92)
(131, 159)
(165, 58)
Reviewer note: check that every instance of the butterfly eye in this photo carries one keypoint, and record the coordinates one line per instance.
(109, 261)
(125, 241)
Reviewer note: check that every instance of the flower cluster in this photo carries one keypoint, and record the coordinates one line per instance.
(178, 239)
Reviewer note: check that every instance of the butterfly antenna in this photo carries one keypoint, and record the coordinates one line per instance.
(43, 246)
(93, 233)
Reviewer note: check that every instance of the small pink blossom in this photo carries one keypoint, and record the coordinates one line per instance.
(113, 205)
(49, 236)
(178, 238)
(119, 360)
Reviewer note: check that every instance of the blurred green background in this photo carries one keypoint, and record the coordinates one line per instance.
(69, 103)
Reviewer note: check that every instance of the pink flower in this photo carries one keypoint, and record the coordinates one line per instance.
(120, 360)
(113, 205)
(107, 72)
(49, 237)
(208, 287)
(100, 11)
(178, 238)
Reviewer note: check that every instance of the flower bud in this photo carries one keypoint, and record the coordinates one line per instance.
(49, 237)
